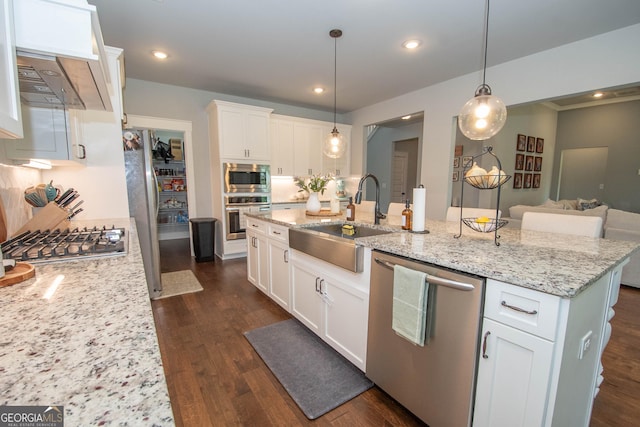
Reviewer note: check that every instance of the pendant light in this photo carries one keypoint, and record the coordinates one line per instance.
(483, 115)
(334, 146)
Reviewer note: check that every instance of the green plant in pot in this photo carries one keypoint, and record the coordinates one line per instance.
(313, 185)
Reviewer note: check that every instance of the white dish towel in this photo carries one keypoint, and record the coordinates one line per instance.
(410, 293)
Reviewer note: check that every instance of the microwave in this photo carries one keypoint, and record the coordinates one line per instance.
(246, 178)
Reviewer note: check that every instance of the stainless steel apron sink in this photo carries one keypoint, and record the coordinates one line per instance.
(330, 243)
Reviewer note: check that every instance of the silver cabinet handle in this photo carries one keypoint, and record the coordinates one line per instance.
(285, 255)
(321, 282)
(277, 233)
(484, 345)
(84, 152)
(317, 278)
(521, 310)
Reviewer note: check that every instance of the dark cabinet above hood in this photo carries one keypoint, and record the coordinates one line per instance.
(61, 66)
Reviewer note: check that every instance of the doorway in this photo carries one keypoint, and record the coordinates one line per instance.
(404, 169)
(582, 173)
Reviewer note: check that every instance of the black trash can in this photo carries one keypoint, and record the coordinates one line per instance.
(203, 232)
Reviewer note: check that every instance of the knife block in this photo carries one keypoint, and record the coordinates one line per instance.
(50, 217)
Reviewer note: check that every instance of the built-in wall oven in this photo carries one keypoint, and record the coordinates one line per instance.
(246, 178)
(237, 205)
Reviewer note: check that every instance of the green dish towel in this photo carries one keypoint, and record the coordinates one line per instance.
(410, 293)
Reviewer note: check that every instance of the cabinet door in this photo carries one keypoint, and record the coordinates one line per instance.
(282, 148)
(263, 263)
(10, 114)
(257, 136)
(307, 149)
(513, 379)
(231, 130)
(279, 273)
(345, 320)
(252, 258)
(306, 304)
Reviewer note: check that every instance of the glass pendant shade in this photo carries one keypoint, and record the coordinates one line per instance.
(334, 146)
(482, 116)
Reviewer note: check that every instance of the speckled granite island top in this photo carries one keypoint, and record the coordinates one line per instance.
(557, 264)
(81, 334)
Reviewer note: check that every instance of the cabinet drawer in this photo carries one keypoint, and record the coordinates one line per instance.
(525, 309)
(256, 226)
(279, 232)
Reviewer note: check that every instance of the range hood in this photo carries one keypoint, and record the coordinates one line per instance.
(62, 61)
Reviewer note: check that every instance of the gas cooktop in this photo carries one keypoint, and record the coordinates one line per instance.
(66, 245)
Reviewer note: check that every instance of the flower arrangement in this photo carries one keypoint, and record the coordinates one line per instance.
(315, 183)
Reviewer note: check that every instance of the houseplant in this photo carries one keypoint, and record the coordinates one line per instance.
(313, 185)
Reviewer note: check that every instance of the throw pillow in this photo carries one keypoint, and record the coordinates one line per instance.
(569, 204)
(552, 204)
(588, 204)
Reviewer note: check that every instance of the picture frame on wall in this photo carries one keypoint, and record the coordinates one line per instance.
(517, 180)
(521, 144)
(537, 164)
(528, 164)
(456, 162)
(536, 180)
(531, 144)
(528, 179)
(539, 145)
(519, 162)
(456, 176)
(458, 151)
(466, 161)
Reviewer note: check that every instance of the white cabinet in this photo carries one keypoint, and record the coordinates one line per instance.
(242, 131)
(296, 147)
(257, 255)
(51, 134)
(332, 303)
(540, 354)
(282, 159)
(10, 114)
(513, 378)
(279, 276)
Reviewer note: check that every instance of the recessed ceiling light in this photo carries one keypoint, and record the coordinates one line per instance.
(411, 44)
(406, 117)
(318, 90)
(159, 54)
(598, 95)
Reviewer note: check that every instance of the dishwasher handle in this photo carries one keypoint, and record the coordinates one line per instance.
(434, 280)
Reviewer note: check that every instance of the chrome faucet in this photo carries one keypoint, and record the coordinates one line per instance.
(377, 214)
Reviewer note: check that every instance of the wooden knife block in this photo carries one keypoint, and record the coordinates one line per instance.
(50, 217)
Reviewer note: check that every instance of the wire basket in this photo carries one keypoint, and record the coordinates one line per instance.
(487, 182)
(484, 227)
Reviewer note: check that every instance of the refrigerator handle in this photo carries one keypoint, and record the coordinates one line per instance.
(155, 181)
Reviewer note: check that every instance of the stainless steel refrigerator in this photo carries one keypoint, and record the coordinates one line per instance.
(142, 189)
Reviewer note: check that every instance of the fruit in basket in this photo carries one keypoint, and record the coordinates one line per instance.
(475, 171)
(482, 220)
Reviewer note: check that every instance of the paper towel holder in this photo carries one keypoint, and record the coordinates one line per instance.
(425, 231)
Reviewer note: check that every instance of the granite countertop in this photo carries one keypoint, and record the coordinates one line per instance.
(81, 334)
(556, 264)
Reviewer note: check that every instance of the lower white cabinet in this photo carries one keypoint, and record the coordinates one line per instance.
(515, 367)
(257, 255)
(331, 302)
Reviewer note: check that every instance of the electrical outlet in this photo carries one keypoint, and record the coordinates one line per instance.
(585, 345)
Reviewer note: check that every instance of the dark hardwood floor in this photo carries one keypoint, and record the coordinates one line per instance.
(216, 379)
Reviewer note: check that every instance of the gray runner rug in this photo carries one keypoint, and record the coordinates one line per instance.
(317, 377)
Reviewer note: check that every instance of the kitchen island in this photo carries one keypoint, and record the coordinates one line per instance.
(81, 334)
(545, 319)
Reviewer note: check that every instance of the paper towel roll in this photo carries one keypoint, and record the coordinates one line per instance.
(419, 207)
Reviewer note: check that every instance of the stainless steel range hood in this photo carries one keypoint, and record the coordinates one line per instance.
(61, 65)
(49, 81)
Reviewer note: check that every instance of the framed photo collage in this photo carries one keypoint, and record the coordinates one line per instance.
(528, 165)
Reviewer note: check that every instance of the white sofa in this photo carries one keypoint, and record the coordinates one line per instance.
(618, 225)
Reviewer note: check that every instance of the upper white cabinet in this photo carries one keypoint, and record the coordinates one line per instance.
(241, 131)
(10, 114)
(296, 147)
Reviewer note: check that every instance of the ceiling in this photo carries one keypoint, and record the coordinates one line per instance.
(278, 50)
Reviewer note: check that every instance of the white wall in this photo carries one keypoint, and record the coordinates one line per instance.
(608, 60)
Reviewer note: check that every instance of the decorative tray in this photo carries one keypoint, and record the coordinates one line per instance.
(485, 227)
(324, 212)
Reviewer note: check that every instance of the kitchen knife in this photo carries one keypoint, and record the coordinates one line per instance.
(70, 199)
(64, 195)
(76, 205)
(66, 199)
(75, 213)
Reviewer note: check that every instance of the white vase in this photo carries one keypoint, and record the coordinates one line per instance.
(313, 203)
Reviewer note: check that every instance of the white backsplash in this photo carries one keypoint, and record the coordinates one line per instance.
(13, 181)
(284, 190)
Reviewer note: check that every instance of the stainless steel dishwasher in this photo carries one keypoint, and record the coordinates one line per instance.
(436, 382)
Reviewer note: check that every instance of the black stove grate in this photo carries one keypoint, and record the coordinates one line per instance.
(59, 245)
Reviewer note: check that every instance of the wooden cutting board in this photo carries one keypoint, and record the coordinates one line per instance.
(21, 272)
(3, 223)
